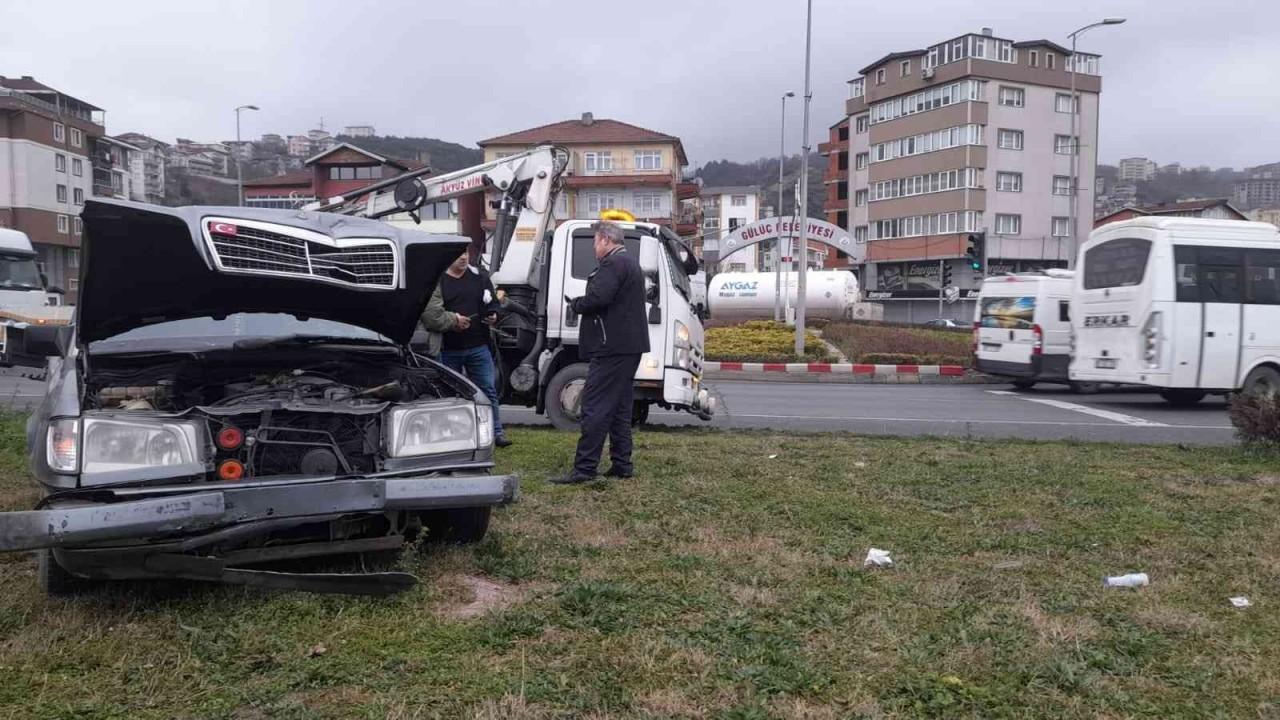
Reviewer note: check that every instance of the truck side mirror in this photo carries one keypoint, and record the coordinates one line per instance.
(655, 315)
(649, 256)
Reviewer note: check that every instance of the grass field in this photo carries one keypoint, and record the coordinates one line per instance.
(726, 583)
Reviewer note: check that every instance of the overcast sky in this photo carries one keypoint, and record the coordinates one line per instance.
(1184, 81)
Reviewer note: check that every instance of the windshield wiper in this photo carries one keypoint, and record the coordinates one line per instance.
(304, 340)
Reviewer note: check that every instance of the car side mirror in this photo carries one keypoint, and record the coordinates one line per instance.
(32, 345)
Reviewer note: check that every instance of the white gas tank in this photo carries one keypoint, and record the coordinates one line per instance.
(829, 294)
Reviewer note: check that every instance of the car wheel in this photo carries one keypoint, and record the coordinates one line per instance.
(564, 396)
(458, 526)
(1262, 381)
(1182, 397)
(1024, 384)
(54, 580)
(1083, 388)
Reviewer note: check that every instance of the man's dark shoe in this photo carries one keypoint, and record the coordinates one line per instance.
(502, 442)
(614, 472)
(572, 479)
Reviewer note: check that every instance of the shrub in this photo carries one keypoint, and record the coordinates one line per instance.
(1256, 418)
(907, 359)
(926, 346)
(761, 341)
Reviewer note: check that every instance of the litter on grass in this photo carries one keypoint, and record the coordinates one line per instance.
(1130, 580)
(877, 558)
(1240, 602)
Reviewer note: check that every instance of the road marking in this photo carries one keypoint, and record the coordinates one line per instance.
(1096, 412)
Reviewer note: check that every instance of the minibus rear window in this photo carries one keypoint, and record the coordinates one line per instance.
(1116, 263)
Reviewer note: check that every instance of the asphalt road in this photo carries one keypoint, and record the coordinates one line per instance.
(981, 411)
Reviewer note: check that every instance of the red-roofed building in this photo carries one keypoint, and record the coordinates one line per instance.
(612, 165)
(1213, 208)
(332, 172)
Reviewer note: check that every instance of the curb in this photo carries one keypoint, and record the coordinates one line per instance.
(833, 368)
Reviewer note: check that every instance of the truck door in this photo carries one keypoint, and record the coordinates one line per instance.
(580, 261)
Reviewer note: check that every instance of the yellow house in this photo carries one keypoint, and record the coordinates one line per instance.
(612, 165)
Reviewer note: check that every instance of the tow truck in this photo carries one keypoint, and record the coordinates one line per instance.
(536, 262)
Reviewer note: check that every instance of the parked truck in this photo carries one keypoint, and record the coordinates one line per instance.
(25, 298)
(536, 263)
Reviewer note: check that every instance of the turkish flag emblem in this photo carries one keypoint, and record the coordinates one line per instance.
(221, 228)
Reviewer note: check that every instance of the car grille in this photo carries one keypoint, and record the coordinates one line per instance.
(365, 263)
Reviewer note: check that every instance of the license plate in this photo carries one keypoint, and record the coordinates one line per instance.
(1105, 363)
(991, 346)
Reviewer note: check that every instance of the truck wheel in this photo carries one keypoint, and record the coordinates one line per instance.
(1182, 397)
(1262, 381)
(1024, 384)
(458, 526)
(564, 396)
(1083, 388)
(639, 413)
(54, 580)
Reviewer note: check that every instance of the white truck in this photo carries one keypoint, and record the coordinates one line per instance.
(535, 263)
(24, 298)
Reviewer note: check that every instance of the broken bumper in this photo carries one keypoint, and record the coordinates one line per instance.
(132, 514)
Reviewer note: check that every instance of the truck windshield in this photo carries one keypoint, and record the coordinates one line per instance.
(19, 272)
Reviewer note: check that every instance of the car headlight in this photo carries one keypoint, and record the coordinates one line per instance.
(96, 446)
(438, 427)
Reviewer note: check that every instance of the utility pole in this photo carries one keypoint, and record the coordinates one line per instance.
(239, 174)
(803, 210)
(777, 243)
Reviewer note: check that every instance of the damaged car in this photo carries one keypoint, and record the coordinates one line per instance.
(238, 390)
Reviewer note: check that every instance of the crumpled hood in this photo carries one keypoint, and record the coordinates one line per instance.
(145, 264)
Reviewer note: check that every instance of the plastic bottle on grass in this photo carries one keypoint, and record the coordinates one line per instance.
(1130, 580)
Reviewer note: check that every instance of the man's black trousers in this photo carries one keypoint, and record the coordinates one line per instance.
(606, 411)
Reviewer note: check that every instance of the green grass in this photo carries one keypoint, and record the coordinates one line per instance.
(724, 584)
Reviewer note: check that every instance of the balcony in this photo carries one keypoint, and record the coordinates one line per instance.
(827, 148)
(617, 180)
(687, 190)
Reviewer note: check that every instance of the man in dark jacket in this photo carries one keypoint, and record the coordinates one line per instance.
(613, 334)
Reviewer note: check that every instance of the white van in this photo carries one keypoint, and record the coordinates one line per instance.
(1022, 328)
(1187, 305)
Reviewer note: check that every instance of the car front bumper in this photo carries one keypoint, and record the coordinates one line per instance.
(110, 516)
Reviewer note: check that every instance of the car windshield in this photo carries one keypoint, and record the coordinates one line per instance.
(194, 334)
(19, 272)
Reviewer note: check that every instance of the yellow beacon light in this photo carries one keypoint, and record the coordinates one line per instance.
(617, 215)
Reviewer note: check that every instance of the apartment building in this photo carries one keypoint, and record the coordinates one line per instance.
(47, 139)
(969, 135)
(326, 174)
(1261, 189)
(112, 161)
(725, 209)
(1136, 169)
(359, 131)
(612, 164)
(147, 166)
(299, 146)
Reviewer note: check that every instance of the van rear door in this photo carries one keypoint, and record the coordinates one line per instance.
(1005, 326)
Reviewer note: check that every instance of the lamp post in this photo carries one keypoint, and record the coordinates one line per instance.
(1075, 142)
(239, 174)
(777, 243)
(803, 210)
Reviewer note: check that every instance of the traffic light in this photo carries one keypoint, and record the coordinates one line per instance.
(973, 251)
(946, 274)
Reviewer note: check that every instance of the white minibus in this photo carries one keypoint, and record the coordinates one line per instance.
(1186, 305)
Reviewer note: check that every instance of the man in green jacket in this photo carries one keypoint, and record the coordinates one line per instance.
(436, 321)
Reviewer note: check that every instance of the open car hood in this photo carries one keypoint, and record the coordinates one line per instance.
(145, 264)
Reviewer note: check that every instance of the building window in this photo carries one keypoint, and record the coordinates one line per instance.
(78, 228)
(1035, 58)
(1061, 185)
(862, 122)
(648, 160)
(1061, 227)
(925, 184)
(1010, 139)
(1050, 60)
(920, 225)
(648, 204)
(368, 172)
(1009, 182)
(860, 198)
(79, 196)
(1012, 96)
(59, 132)
(60, 162)
(1008, 224)
(62, 224)
(927, 142)
(61, 193)
(77, 138)
(842, 161)
(738, 200)
(599, 202)
(1062, 144)
(905, 68)
(1006, 52)
(880, 76)
(929, 99)
(77, 167)
(1062, 103)
(711, 223)
(860, 234)
(599, 161)
(860, 161)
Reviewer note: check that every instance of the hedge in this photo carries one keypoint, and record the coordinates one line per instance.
(762, 341)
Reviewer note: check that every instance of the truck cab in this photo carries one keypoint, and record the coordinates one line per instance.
(24, 298)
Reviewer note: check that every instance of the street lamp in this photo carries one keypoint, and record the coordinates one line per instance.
(1075, 142)
(239, 174)
(777, 243)
(802, 209)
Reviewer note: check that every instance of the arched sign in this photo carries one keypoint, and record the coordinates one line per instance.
(815, 230)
